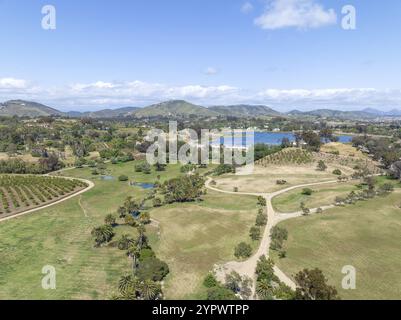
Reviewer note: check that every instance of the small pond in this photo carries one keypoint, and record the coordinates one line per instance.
(146, 186)
(107, 178)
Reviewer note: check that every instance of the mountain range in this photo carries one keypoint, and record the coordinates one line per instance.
(180, 109)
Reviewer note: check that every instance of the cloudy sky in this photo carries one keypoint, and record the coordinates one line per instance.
(283, 53)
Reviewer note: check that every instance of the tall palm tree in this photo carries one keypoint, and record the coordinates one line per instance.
(141, 237)
(150, 290)
(134, 252)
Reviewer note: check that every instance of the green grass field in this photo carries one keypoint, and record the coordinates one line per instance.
(366, 235)
(194, 236)
(322, 195)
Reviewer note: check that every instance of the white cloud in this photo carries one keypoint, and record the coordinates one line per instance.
(12, 83)
(301, 14)
(108, 94)
(210, 71)
(247, 7)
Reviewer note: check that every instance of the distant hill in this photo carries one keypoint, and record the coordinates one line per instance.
(379, 113)
(245, 111)
(338, 114)
(106, 113)
(23, 108)
(174, 109)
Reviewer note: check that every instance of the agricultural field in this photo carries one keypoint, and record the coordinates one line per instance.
(365, 235)
(19, 193)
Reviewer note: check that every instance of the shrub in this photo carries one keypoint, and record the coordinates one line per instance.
(152, 268)
(220, 293)
(210, 281)
(123, 178)
(307, 192)
(157, 202)
(321, 166)
(319, 210)
(281, 182)
(243, 250)
(255, 233)
(261, 219)
(337, 172)
(224, 168)
(146, 253)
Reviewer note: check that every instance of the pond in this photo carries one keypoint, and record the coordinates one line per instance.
(107, 178)
(146, 186)
(272, 138)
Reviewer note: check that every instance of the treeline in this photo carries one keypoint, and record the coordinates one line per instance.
(19, 166)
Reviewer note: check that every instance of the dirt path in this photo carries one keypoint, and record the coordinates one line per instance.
(248, 267)
(88, 182)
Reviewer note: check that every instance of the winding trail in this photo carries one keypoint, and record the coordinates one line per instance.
(248, 267)
(88, 182)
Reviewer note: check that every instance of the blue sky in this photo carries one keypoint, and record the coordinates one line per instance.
(283, 53)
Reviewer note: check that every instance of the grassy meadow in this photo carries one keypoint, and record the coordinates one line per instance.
(366, 235)
(194, 236)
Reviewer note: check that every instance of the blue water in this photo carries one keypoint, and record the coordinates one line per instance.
(272, 138)
(106, 178)
(146, 186)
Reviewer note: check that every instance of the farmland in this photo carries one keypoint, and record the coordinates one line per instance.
(19, 193)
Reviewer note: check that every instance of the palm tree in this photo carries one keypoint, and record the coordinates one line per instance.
(110, 220)
(150, 290)
(131, 206)
(134, 252)
(122, 212)
(141, 238)
(125, 283)
(102, 234)
(125, 242)
(264, 289)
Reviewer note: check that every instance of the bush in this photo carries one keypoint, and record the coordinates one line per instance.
(220, 293)
(210, 281)
(255, 233)
(146, 253)
(337, 172)
(123, 178)
(153, 269)
(261, 219)
(157, 202)
(307, 192)
(243, 250)
(321, 166)
(224, 168)
(281, 182)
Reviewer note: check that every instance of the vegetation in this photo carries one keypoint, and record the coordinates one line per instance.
(22, 192)
(312, 285)
(243, 250)
(287, 156)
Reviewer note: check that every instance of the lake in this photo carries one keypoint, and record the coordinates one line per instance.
(273, 138)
